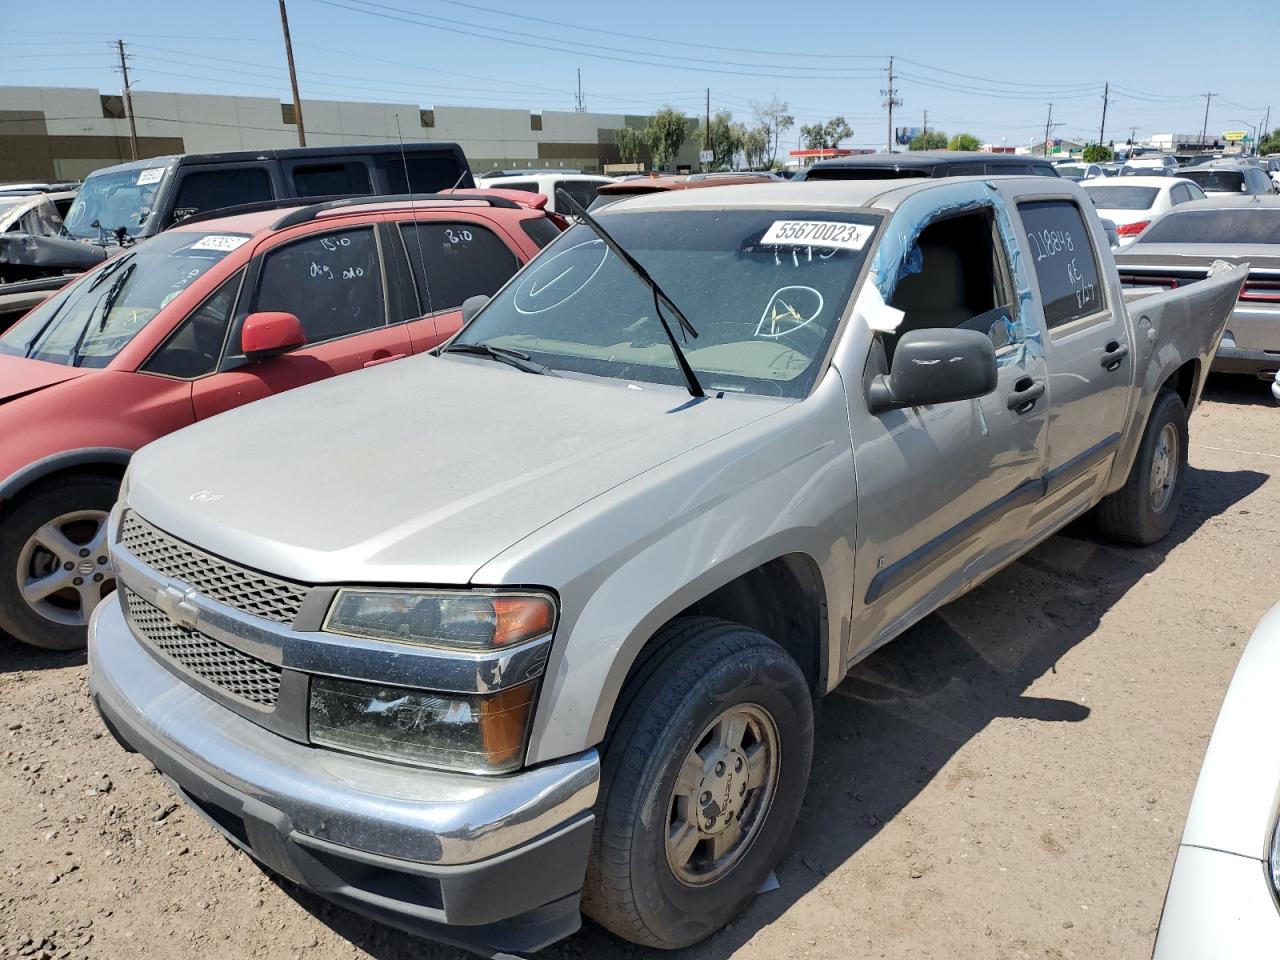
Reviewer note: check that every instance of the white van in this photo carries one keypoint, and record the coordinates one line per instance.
(581, 186)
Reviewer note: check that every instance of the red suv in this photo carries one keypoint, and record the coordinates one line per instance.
(206, 316)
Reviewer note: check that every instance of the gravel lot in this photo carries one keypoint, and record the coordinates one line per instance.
(1007, 780)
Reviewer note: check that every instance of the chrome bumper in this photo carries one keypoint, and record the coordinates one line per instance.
(492, 847)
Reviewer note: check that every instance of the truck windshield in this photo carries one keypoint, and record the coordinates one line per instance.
(114, 199)
(1217, 181)
(87, 323)
(764, 288)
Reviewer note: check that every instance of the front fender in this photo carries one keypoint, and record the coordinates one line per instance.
(20, 479)
(627, 562)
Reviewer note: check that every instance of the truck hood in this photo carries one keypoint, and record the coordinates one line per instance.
(20, 376)
(416, 471)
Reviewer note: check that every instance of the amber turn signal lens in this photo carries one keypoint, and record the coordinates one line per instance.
(521, 618)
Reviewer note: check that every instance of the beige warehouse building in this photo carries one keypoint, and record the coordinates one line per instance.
(67, 132)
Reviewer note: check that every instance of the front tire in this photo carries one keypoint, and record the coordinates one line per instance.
(704, 774)
(53, 560)
(1144, 509)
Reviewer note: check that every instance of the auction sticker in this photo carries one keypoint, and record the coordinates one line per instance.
(219, 241)
(150, 175)
(818, 233)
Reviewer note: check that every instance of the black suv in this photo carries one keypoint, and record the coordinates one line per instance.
(926, 163)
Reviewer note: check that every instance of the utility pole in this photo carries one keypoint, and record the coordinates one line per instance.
(1204, 130)
(293, 77)
(706, 128)
(924, 137)
(1263, 132)
(581, 107)
(1048, 126)
(128, 101)
(891, 100)
(1102, 130)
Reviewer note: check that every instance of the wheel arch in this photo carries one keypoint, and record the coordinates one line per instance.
(109, 460)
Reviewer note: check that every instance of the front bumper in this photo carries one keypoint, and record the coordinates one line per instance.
(487, 863)
(1257, 363)
(1219, 907)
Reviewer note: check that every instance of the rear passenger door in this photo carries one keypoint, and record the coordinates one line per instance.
(336, 284)
(450, 261)
(199, 189)
(1087, 350)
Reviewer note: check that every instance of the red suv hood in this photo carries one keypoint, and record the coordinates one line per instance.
(20, 376)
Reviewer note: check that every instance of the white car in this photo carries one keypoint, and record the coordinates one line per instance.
(581, 186)
(1079, 171)
(1222, 900)
(1159, 165)
(1133, 202)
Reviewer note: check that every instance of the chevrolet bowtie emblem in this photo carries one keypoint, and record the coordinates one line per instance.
(178, 607)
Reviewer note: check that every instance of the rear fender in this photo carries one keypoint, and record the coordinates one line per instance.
(1169, 330)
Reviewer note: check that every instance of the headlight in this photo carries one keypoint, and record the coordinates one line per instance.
(454, 620)
(1275, 859)
(467, 732)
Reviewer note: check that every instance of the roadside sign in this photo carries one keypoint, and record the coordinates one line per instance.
(1234, 136)
(706, 156)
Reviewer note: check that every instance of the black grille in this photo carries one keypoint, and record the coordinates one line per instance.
(246, 590)
(225, 667)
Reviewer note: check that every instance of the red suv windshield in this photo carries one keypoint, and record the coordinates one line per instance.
(89, 322)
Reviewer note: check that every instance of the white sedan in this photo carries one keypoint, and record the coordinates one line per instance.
(1133, 202)
(1222, 900)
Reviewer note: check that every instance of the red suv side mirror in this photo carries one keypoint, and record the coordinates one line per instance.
(270, 334)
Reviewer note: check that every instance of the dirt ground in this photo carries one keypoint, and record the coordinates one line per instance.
(1007, 780)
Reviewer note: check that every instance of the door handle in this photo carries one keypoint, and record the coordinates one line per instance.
(1113, 354)
(386, 359)
(1025, 394)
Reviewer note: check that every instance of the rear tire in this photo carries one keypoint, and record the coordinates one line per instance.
(703, 778)
(1143, 511)
(51, 536)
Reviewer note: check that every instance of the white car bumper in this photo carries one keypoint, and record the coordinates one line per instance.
(1219, 907)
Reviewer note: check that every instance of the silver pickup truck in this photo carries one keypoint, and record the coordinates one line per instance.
(475, 642)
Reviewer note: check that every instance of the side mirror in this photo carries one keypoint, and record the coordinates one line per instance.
(270, 334)
(935, 366)
(471, 306)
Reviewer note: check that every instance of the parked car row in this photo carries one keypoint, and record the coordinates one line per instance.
(549, 578)
(551, 600)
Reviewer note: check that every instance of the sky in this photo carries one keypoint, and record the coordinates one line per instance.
(990, 69)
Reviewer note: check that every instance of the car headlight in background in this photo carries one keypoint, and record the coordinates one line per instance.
(466, 732)
(454, 620)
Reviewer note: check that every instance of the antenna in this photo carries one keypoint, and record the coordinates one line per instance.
(417, 231)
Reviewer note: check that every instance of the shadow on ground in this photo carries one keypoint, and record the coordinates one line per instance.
(1249, 391)
(16, 657)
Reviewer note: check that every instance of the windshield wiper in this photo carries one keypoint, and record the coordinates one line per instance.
(107, 304)
(521, 361)
(660, 299)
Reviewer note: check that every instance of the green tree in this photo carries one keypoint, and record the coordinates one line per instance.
(755, 147)
(1097, 153)
(724, 139)
(964, 141)
(631, 143)
(771, 116)
(928, 140)
(822, 136)
(1270, 142)
(667, 131)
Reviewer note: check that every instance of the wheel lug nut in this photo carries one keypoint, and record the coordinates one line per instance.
(720, 769)
(102, 560)
(78, 581)
(737, 766)
(742, 790)
(68, 566)
(84, 551)
(706, 797)
(97, 578)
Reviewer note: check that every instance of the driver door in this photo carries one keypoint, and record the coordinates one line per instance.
(945, 492)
